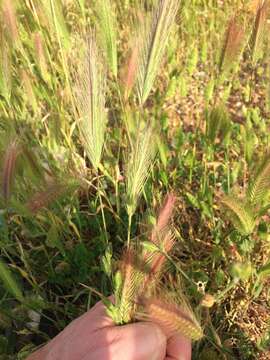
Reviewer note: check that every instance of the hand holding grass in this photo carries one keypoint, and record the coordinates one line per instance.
(94, 336)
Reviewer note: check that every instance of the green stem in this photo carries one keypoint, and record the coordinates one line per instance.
(228, 169)
(230, 286)
(129, 229)
(102, 211)
(179, 269)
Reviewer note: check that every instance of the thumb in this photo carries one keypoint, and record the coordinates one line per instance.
(178, 348)
(140, 341)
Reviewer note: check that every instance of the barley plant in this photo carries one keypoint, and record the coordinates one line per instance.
(135, 162)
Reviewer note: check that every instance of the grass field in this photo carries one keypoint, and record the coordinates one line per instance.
(106, 109)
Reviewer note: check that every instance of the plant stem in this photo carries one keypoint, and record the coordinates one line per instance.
(179, 269)
(129, 229)
(230, 286)
(102, 211)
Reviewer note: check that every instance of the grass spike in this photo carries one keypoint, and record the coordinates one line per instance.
(218, 123)
(40, 55)
(233, 45)
(10, 20)
(240, 214)
(108, 32)
(130, 76)
(164, 216)
(90, 102)
(42, 199)
(9, 164)
(5, 66)
(152, 38)
(156, 260)
(260, 187)
(138, 167)
(259, 30)
(171, 318)
(132, 277)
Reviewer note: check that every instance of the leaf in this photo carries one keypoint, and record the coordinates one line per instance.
(53, 239)
(193, 200)
(9, 282)
(163, 152)
(107, 261)
(264, 271)
(149, 246)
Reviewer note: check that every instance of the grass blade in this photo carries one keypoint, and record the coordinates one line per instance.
(9, 282)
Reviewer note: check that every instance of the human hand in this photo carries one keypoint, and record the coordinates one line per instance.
(93, 336)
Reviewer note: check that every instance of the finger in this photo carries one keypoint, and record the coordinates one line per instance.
(76, 346)
(140, 341)
(179, 348)
(95, 318)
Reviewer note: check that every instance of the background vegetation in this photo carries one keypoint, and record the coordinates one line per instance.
(183, 110)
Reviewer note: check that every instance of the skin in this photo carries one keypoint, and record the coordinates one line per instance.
(93, 336)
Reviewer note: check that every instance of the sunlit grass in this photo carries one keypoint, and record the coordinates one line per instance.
(106, 109)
